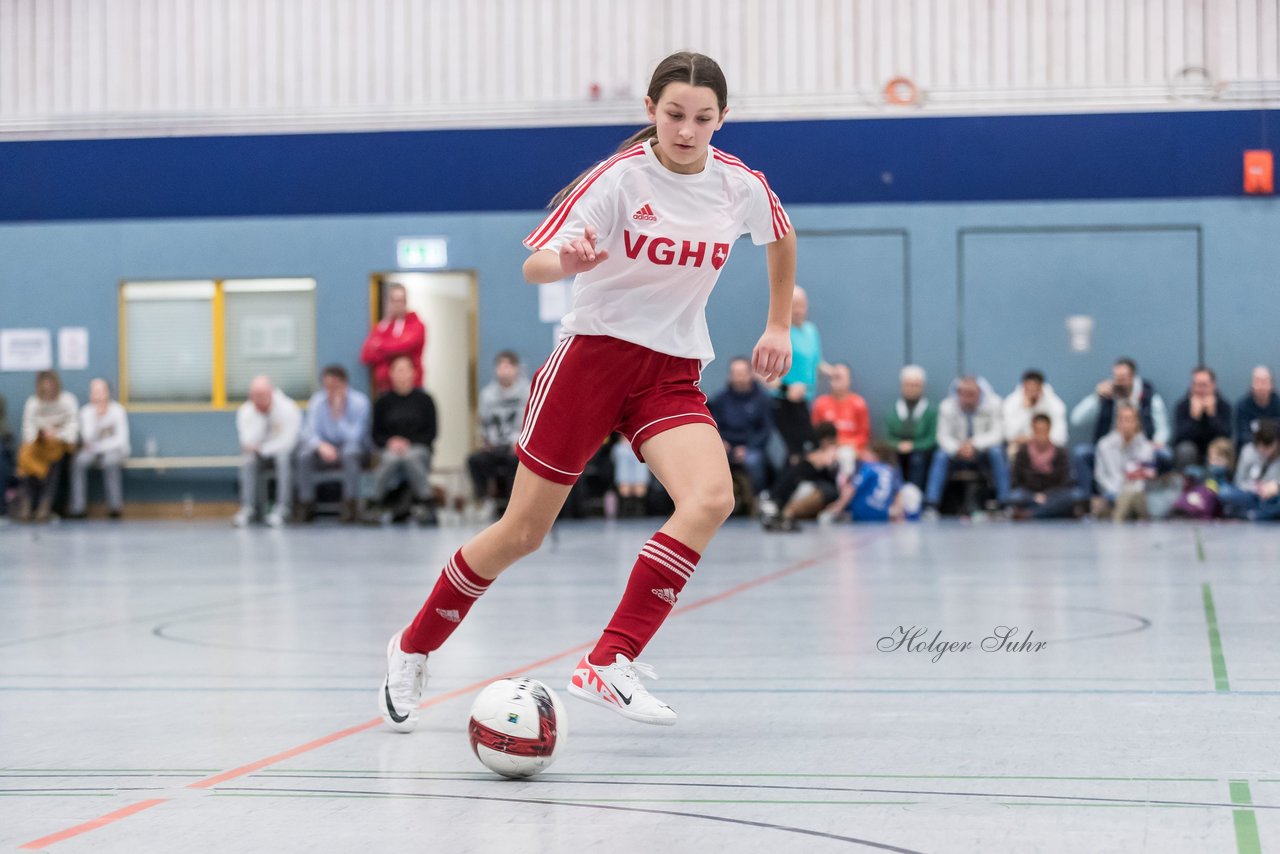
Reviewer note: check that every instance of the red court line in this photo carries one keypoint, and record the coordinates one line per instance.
(241, 771)
(370, 724)
(94, 824)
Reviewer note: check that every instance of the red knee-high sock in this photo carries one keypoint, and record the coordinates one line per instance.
(664, 567)
(450, 600)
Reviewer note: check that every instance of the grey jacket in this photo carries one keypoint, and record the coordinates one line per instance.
(1252, 469)
(953, 426)
(502, 412)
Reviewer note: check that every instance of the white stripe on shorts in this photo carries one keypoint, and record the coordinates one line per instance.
(539, 396)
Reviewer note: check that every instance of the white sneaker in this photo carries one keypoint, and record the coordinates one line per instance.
(402, 688)
(242, 518)
(617, 687)
(275, 518)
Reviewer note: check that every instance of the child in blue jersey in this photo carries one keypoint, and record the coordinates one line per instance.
(879, 494)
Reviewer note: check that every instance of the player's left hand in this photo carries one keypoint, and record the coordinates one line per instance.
(771, 358)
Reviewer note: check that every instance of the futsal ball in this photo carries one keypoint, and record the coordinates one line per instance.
(517, 725)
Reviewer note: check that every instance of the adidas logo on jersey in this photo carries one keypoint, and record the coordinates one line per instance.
(645, 214)
(452, 615)
(666, 594)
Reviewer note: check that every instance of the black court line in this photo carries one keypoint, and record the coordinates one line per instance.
(860, 790)
(853, 840)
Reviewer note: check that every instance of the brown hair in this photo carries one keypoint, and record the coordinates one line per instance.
(49, 376)
(696, 69)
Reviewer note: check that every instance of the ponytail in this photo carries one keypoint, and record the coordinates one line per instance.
(696, 69)
(643, 135)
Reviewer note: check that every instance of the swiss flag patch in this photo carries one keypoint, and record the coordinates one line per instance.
(719, 254)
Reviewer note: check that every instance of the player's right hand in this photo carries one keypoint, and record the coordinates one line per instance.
(580, 255)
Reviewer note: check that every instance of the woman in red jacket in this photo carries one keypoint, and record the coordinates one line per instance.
(400, 333)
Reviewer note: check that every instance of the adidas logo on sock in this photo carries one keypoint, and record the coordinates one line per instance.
(645, 214)
(452, 616)
(666, 594)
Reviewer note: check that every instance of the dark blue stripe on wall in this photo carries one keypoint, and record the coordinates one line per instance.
(1104, 156)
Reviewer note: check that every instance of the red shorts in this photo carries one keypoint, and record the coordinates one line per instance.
(594, 385)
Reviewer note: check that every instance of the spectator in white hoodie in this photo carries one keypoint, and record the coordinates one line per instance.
(1033, 397)
(104, 442)
(970, 435)
(268, 424)
(50, 429)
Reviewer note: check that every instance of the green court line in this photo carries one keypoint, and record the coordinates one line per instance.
(1247, 839)
(290, 772)
(425, 796)
(1142, 805)
(1134, 805)
(58, 794)
(287, 772)
(196, 771)
(1199, 545)
(1215, 642)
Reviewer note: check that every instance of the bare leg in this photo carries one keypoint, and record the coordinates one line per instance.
(690, 462)
(535, 503)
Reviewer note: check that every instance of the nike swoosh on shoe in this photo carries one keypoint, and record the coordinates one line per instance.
(391, 709)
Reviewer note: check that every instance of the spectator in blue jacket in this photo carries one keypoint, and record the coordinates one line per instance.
(335, 435)
(744, 413)
(1261, 403)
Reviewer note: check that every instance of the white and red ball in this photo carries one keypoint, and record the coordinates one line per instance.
(517, 726)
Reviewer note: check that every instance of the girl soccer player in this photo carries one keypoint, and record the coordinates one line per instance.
(645, 234)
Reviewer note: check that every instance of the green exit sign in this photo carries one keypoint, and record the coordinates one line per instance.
(422, 253)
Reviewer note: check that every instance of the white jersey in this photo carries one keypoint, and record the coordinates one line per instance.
(667, 234)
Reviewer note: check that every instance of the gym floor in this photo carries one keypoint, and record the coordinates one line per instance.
(169, 686)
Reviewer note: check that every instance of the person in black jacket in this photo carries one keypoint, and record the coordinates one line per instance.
(1041, 486)
(744, 416)
(1202, 416)
(404, 430)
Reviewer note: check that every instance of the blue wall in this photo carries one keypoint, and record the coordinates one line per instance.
(980, 285)
(886, 283)
(904, 159)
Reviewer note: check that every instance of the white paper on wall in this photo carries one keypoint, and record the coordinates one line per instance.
(25, 350)
(554, 300)
(73, 348)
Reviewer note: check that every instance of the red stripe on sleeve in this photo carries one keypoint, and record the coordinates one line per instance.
(541, 235)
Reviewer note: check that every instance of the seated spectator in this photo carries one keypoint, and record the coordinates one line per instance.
(404, 431)
(104, 442)
(1261, 402)
(630, 477)
(970, 438)
(1202, 416)
(50, 428)
(743, 412)
(6, 456)
(1256, 491)
(1126, 460)
(1033, 397)
(1040, 486)
(879, 495)
(848, 411)
(911, 426)
(399, 333)
(268, 425)
(1098, 411)
(502, 404)
(335, 435)
(808, 488)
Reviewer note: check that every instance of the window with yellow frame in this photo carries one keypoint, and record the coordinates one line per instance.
(197, 344)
